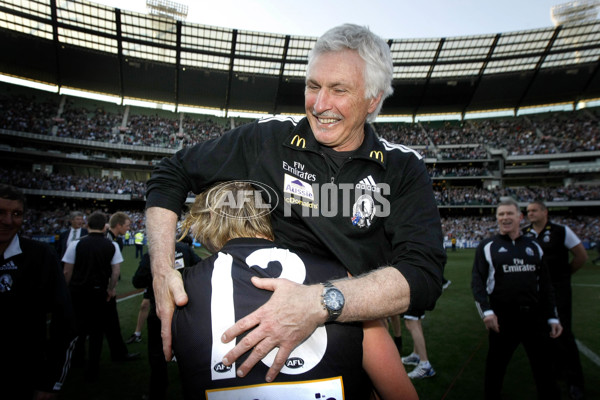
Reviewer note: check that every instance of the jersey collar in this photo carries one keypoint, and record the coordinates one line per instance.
(13, 249)
(302, 139)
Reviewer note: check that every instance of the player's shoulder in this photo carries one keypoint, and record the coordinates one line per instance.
(275, 124)
(32, 244)
(486, 242)
(398, 149)
(529, 240)
(35, 248)
(277, 119)
(557, 226)
(264, 129)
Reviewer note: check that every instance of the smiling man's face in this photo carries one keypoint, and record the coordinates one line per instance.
(334, 99)
(11, 219)
(509, 220)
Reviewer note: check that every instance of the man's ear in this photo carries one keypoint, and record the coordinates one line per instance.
(375, 102)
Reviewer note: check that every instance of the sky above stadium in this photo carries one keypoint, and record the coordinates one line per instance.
(388, 18)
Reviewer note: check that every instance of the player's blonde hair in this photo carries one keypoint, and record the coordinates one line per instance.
(218, 216)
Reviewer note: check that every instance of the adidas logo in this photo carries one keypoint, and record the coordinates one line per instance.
(502, 250)
(368, 184)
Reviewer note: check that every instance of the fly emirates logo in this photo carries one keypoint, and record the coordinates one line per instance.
(518, 266)
(298, 170)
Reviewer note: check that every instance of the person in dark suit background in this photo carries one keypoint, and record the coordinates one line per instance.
(75, 231)
(38, 330)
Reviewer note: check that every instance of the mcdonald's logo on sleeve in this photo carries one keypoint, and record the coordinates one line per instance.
(298, 141)
(376, 154)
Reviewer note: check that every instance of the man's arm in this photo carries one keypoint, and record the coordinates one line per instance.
(68, 271)
(580, 256)
(383, 364)
(167, 283)
(295, 311)
(112, 282)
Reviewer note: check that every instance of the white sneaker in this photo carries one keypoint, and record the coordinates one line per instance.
(411, 359)
(422, 372)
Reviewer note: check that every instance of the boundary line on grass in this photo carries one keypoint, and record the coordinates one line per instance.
(588, 353)
(464, 366)
(586, 285)
(130, 295)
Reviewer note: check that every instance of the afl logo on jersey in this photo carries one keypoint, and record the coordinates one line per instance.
(546, 238)
(294, 362)
(220, 367)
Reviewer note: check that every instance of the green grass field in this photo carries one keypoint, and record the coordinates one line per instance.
(456, 343)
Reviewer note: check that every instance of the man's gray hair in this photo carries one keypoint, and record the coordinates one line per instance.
(372, 49)
(75, 214)
(509, 201)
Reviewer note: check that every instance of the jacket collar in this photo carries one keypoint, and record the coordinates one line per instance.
(302, 138)
(13, 249)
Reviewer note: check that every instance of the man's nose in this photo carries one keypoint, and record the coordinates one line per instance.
(323, 101)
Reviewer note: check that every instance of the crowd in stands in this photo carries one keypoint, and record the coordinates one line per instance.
(470, 228)
(469, 195)
(26, 114)
(23, 114)
(445, 196)
(436, 172)
(72, 183)
(52, 222)
(81, 123)
(403, 133)
(463, 153)
(576, 131)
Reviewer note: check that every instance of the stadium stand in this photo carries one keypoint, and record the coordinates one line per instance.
(468, 161)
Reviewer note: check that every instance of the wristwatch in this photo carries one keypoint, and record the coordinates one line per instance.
(332, 300)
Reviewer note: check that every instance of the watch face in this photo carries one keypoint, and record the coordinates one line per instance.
(334, 299)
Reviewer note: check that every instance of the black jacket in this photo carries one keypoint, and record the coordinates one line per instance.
(553, 239)
(509, 274)
(378, 209)
(36, 356)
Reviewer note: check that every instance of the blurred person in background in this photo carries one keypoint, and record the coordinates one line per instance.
(514, 297)
(35, 355)
(142, 279)
(558, 242)
(92, 267)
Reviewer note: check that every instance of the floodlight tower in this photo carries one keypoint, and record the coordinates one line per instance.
(168, 9)
(574, 12)
(164, 28)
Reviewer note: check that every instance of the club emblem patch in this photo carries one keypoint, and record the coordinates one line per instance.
(363, 211)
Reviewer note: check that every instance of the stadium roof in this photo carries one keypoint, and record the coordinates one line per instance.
(87, 46)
